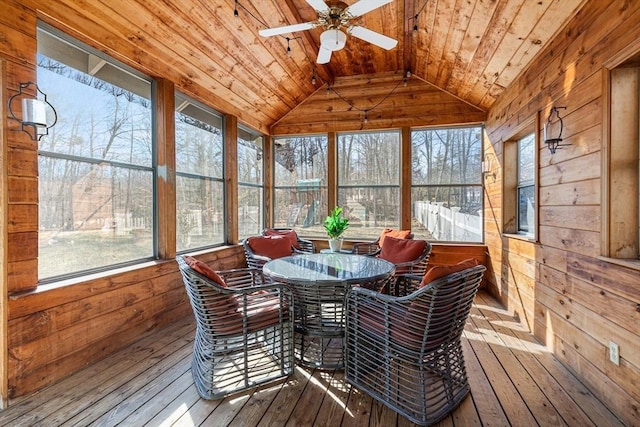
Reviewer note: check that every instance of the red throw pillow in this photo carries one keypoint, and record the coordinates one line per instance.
(399, 234)
(204, 269)
(438, 271)
(291, 235)
(399, 251)
(270, 246)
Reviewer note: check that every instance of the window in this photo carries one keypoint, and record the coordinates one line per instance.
(369, 182)
(446, 192)
(525, 187)
(199, 176)
(300, 184)
(250, 183)
(96, 176)
(622, 160)
(520, 187)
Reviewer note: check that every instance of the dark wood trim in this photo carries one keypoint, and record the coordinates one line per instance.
(4, 243)
(166, 169)
(269, 193)
(405, 179)
(332, 170)
(231, 177)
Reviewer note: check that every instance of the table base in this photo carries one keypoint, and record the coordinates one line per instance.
(323, 352)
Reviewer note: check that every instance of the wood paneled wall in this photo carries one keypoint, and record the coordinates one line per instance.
(574, 300)
(54, 331)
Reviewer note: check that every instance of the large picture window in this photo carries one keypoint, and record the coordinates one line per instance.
(369, 182)
(446, 192)
(96, 197)
(250, 183)
(199, 176)
(300, 184)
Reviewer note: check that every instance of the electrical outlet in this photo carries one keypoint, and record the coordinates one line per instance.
(614, 353)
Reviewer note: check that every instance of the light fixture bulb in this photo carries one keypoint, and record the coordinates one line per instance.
(333, 39)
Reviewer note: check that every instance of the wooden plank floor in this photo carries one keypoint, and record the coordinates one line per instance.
(514, 382)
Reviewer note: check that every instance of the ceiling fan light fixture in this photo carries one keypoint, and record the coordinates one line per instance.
(333, 39)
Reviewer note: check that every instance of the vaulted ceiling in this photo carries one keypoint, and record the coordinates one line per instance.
(469, 49)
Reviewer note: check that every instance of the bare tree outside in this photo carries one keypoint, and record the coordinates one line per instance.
(95, 169)
(250, 183)
(447, 183)
(199, 176)
(369, 182)
(300, 184)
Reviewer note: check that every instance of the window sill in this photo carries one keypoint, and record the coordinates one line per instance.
(629, 263)
(525, 237)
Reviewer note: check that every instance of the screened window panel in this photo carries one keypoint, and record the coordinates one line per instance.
(300, 184)
(250, 210)
(250, 183)
(96, 187)
(92, 216)
(199, 212)
(446, 195)
(369, 182)
(200, 179)
(446, 156)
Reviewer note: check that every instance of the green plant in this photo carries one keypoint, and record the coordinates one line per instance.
(335, 223)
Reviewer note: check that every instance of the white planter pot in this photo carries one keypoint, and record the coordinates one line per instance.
(335, 244)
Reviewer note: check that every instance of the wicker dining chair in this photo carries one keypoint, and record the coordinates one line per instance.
(319, 324)
(244, 328)
(300, 244)
(259, 250)
(373, 248)
(408, 255)
(405, 351)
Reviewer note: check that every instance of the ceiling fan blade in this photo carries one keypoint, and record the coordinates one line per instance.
(324, 56)
(287, 29)
(318, 5)
(361, 7)
(372, 37)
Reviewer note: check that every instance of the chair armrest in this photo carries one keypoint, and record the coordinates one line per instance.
(248, 280)
(306, 246)
(366, 248)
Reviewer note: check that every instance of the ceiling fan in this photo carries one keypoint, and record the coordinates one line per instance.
(334, 16)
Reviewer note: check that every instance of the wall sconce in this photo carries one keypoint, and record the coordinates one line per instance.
(487, 165)
(34, 113)
(553, 130)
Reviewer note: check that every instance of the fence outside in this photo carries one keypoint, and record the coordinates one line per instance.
(448, 224)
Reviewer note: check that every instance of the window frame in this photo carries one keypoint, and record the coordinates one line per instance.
(620, 230)
(510, 221)
(323, 187)
(526, 184)
(479, 185)
(398, 186)
(191, 175)
(74, 43)
(252, 185)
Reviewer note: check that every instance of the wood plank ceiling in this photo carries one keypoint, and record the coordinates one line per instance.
(471, 49)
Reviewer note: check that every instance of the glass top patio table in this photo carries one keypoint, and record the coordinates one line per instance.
(328, 267)
(320, 283)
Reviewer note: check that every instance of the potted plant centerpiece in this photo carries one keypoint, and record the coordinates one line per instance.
(334, 225)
